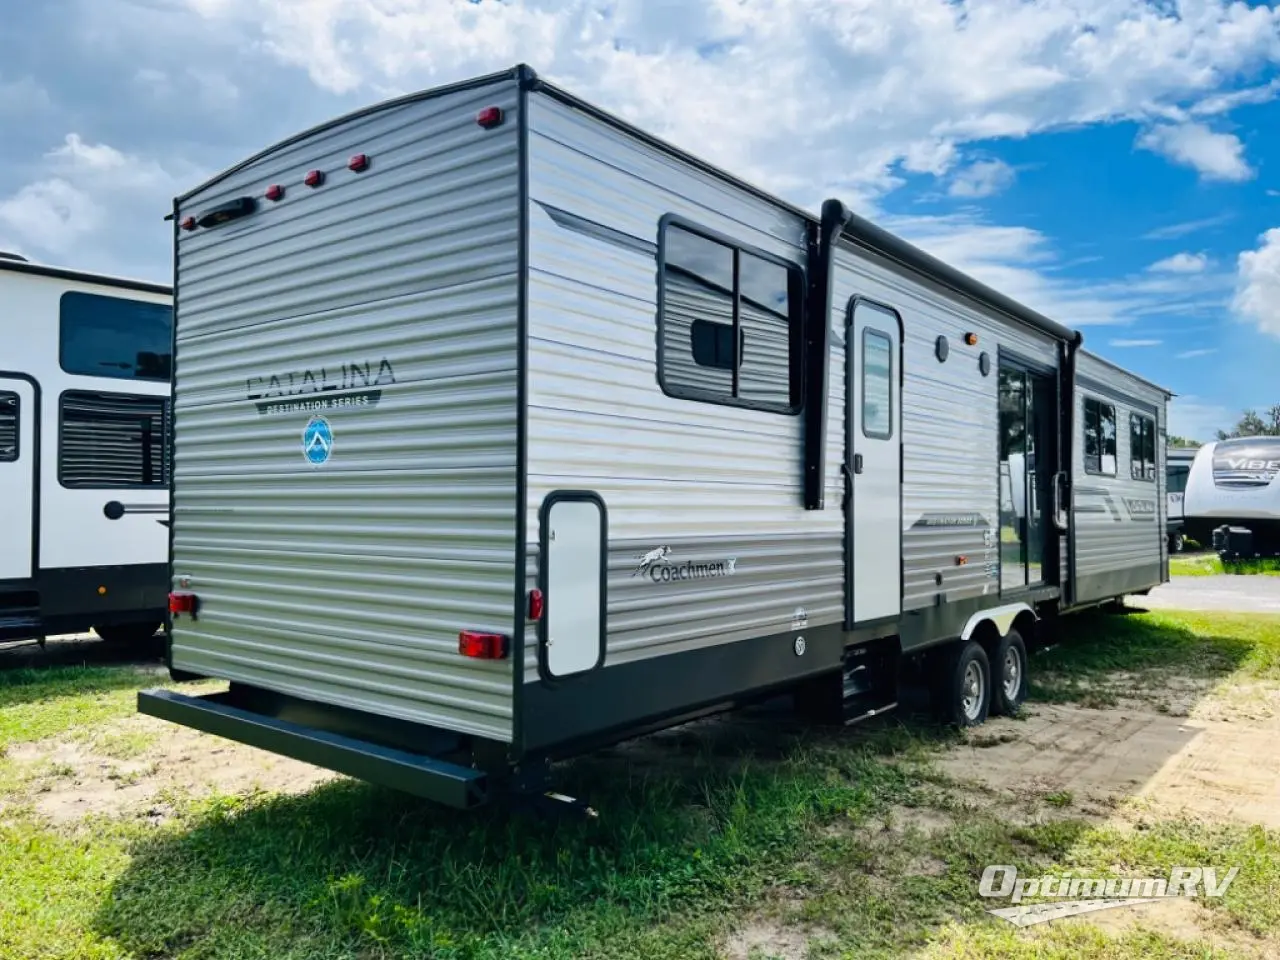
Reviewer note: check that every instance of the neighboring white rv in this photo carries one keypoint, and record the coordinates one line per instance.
(1235, 484)
(504, 429)
(1178, 466)
(84, 485)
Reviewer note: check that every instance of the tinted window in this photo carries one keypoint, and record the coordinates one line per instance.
(112, 440)
(877, 385)
(8, 427)
(1142, 447)
(1177, 478)
(729, 324)
(102, 336)
(1099, 437)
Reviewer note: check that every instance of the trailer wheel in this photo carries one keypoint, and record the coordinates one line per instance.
(1010, 665)
(962, 691)
(127, 633)
(1177, 542)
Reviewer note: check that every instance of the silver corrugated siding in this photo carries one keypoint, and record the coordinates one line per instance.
(949, 422)
(709, 481)
(1108, 536)
(348, 583)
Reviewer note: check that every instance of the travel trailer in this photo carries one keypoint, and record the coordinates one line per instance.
(504, 430)
(1178, 462)
(1232, 499)
(84, 486)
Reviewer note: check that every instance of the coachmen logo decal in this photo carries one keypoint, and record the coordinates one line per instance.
(658, 567)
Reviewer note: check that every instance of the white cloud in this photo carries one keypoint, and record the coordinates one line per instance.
(1258, 285)
(901, 83)
(1181, 263)
(22, 96)
(983, 178)
(1273, 193)
(84, 188)
(1202, 352)
(1216, 156)
(1134, 343)
(1175, 230)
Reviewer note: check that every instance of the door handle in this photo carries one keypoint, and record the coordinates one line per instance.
(857, 463)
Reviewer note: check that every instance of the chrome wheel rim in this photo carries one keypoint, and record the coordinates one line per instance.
(1012, 674)
(971, 701)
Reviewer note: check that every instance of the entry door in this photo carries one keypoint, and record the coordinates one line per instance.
(17, 477)
(1028, 465)
(874, 466)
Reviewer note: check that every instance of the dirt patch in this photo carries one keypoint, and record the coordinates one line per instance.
(761, 940)
(1179, 917)
(1167, 765)
(68, 779)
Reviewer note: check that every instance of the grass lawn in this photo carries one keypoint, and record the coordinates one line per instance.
(1208, 564)
(742, 838)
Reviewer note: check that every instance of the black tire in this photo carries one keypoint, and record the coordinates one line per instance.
(962, 685)
(127, 633)
(1177, 543)
(1009, 685)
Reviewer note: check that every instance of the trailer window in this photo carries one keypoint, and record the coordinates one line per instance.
(728, 322)
(877, 385)
(9, 412)
(1177, 478)
(101, 336)
(112, 440)
(1142, 447)
(1099, 437)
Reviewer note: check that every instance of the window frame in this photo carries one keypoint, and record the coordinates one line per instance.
(1084, 423)
(1147, 433)
(166, 456)
(862, 372)
(797, 302)
(108, 374)
(17, 426)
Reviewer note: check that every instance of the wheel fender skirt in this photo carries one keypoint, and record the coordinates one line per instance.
(1002, 617)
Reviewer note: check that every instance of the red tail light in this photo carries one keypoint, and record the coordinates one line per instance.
(314, 178)
(189, 223)
(183, 603)
(359, 163)
(537, 603)
(482, 646)
(275, 192)
(489, 117)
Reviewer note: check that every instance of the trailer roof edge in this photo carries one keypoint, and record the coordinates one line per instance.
(83, 276)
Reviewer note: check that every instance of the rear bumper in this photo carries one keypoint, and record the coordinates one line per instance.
(440, 781)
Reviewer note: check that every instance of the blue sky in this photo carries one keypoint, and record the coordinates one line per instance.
(1113, 163)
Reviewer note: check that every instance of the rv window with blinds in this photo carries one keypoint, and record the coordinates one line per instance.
(728, 322)
(101, 336)
(110, 440)
(1099, 437)
(1142, 447)
(9, 413)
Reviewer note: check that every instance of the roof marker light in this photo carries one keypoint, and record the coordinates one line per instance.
(189, 223)
(359, 163)
(314, 178)
(489, 117)
(274, 192)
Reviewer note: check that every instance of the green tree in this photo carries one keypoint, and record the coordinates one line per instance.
(1176, 441)
(1253, 425)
